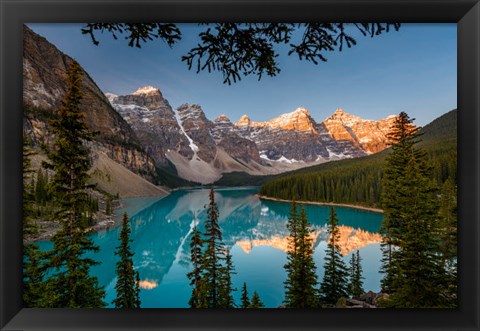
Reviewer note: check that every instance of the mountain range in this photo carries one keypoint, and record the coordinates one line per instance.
(202, 150)
(141, 139)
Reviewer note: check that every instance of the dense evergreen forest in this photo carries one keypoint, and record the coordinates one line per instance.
(358, 181)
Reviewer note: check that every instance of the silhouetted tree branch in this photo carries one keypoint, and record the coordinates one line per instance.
(243, 49)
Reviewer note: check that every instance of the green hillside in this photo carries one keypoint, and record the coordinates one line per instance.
(358, 181)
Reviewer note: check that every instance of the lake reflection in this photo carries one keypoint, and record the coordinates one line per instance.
(254, 229)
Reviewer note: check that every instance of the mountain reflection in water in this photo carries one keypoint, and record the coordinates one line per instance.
(350, 239)
(255, 231)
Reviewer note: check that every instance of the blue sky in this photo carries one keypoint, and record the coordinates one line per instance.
(412, 70)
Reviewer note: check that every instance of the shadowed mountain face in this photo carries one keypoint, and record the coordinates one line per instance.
(44, 87)
(154, 121)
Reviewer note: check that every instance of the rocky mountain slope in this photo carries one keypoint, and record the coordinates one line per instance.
(297, 137)
(44, 76)
(202, 150)
(199, 149)
(366, 135)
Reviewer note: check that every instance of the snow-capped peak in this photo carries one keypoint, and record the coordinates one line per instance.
(243, 121)
(344, 117)
(146, 90)
(222, 118)
(298, 120)
(302, 110)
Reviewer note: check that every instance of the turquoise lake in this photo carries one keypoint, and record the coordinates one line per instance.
(255, 231)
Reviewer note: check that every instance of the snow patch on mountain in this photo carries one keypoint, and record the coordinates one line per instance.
(289, 161)
(333, 155)
(283, 159)
(130, 111)
(146, 90)
(192, 145)
(264, 156)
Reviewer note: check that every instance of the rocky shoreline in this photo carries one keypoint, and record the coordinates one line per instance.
(102, 222)
(366, 300)
(370, 209)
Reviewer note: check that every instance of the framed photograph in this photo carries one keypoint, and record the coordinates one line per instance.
(238, 165)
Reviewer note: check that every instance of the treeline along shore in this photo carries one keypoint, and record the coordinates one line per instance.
(332, 204)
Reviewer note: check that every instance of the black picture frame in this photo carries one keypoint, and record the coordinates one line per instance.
(466, 13)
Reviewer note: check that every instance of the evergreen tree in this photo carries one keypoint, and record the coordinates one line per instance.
(29, 226)
(137, 302)
(291, 267)
(255, 301)
(300, 291)
(214, 255)
(414, 276)
(33, 271)
(334, 284)
(195, 275)
(71, 282)
(448, 240)
(108, 206)
(127, 285)
(307, 275)
(41, 188)
(212, 264)
(356, 283)
(226, 288)
(402, 137)
(245, 299)
(33, 276)
(202, 301)
(419, 277)
(351, 271)
(448, 222)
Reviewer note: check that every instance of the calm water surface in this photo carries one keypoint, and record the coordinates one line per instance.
(255, 231)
